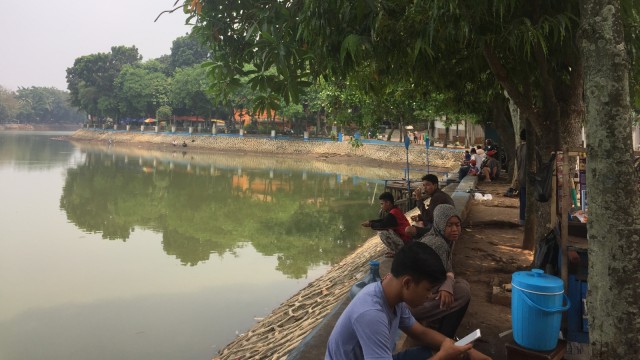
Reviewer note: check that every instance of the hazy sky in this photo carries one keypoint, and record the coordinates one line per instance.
(40, 39)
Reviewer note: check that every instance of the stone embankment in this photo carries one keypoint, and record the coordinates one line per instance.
(38, 127)
(388, 152)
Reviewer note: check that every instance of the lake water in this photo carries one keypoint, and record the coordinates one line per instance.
(125, 253)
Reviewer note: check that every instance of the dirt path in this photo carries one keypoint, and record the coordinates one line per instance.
(487, 254)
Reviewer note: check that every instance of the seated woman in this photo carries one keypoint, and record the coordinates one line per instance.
(449, 300)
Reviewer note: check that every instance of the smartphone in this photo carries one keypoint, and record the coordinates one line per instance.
(469, 338)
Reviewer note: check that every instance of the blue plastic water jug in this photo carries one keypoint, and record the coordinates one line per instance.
(536, 309)
(373, 276)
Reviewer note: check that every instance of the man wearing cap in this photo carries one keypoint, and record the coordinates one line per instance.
(490, 171)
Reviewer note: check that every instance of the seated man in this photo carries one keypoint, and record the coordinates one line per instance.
(465, 165)
(490, 170)
(430, 188)
(391, 226)
(450, 299)
(368, 327)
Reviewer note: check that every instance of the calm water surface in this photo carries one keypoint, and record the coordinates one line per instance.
(106, 254)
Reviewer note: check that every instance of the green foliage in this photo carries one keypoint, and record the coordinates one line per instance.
(140, 92)
(9, 105)
(457, 49)
(187, 51)
(189, 94)
(164, 113)
(91, 80)
(305, 222)
(45, 105)
(355, 143)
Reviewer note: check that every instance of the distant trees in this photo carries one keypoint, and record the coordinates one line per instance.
(9, 105)
(139, 92)
(91, 80)
(37, 105)
(189, 95)
(118, 84)
(187, 51)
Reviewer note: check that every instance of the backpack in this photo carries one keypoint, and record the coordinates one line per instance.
(547, 252)
(542, 180)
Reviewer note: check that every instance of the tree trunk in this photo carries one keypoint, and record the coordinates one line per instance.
(467, 137)
(504, 128)
(318, 122)
(529, 236)
(432, 130)
(551, 126)
(446, 132)
(614, 202)
(518, 126)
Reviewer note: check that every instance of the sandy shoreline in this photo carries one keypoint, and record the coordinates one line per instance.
(370, 156)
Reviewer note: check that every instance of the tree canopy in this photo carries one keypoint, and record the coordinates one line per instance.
(91, 79)
(459, 48)
(38, 105)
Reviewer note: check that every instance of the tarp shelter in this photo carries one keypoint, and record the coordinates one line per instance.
(409, 127)
(150, 120)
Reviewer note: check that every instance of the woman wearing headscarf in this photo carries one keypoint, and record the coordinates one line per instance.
(450, 299)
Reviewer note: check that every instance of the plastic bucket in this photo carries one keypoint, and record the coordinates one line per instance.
(536, 309)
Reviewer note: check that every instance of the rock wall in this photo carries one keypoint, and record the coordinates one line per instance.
(389, 152)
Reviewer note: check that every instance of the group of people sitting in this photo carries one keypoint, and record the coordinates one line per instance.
(480, 162)
(420, 296)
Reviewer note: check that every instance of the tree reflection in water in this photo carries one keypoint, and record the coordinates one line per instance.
(305, 219)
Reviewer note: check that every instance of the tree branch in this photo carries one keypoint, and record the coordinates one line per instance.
(545, 79)
(169, 11)
(502, 75)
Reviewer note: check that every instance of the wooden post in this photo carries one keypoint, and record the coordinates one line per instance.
(564, 220)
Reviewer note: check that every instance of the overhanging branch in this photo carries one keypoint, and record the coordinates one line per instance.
(169, 11)
(502, 75)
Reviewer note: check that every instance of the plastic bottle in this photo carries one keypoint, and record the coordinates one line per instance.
(372, 276)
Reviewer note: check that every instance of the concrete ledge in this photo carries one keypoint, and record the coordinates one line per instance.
(461, 195)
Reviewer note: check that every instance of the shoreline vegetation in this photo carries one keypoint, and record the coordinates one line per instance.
(286, 326)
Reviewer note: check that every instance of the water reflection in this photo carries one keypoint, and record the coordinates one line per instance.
(33, 150)
(204, 207)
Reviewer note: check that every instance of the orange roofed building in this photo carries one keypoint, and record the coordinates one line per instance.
(242, 115)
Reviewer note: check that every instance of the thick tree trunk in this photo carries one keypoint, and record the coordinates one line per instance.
(548, 129)
(614, 202)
